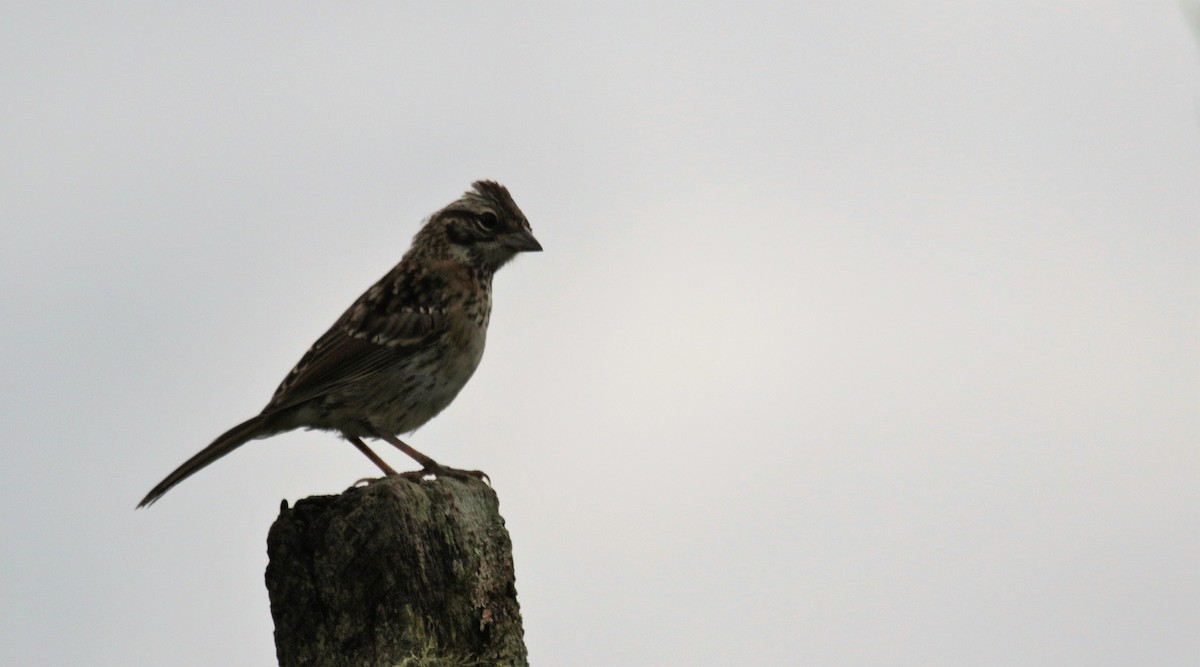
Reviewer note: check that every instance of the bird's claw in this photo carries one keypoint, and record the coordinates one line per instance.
(444, 471)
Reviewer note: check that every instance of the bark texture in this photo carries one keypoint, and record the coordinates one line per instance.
(395, 573)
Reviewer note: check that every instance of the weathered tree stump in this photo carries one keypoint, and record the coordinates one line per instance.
(395, 573)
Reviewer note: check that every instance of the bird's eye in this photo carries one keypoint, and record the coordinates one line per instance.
(488, 221)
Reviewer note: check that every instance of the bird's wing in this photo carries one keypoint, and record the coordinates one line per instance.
(394, 319)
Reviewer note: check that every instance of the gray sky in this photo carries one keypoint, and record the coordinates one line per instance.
(865, 334)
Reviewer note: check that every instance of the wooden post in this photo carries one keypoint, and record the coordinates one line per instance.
(395, 573)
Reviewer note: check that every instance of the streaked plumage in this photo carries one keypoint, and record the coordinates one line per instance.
(401, 353)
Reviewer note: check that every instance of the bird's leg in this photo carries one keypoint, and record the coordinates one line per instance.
(425, 461)
(362, 447)
(428, 465)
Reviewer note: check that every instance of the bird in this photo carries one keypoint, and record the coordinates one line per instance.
(404, 349)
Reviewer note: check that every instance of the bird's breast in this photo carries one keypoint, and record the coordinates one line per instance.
(416, 391)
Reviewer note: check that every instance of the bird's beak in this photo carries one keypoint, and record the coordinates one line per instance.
(522, 241)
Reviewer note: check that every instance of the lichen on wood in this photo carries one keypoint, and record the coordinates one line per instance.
(395, 573)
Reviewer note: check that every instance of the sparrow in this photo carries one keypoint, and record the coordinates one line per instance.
(404, 349)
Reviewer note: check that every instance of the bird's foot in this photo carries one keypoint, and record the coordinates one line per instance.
(438, 470)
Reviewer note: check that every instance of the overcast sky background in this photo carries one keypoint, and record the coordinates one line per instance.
(866, 333)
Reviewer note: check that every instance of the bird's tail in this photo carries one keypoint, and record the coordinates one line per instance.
(255, 427)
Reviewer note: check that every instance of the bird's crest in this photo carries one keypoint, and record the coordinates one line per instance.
(497, 195)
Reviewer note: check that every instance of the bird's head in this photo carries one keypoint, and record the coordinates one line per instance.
(483, 228)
